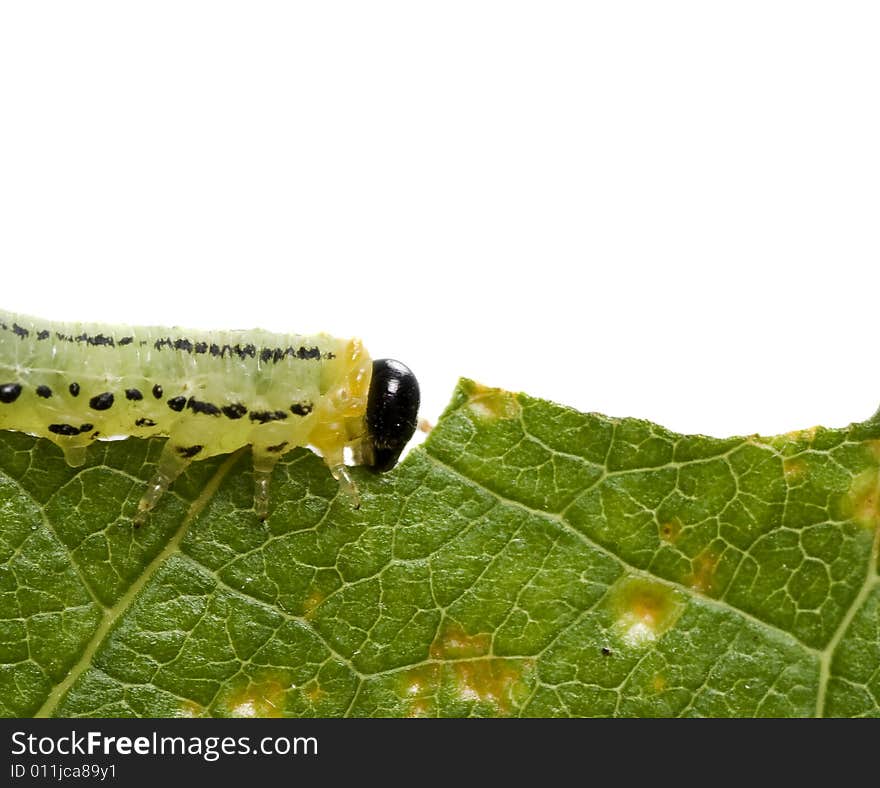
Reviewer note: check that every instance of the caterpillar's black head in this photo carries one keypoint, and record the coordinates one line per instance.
(392, 410)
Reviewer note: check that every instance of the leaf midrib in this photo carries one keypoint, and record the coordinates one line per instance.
(113, 613)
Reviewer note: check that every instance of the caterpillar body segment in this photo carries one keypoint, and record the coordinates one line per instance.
(209, 392)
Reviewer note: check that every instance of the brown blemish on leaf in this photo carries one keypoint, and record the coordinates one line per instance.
(670, 530)
(489, 404)
(643, 609)
(313, 692)
(862, 501)
(801, 436)
(310, 603)
(418, 688)
(462, 663)
(452, 642)
(702, 577)
(190, 708)
(763, 442)
(257, 699)
(793, 468)
(492, 681)
(788, 442)
(420, 708)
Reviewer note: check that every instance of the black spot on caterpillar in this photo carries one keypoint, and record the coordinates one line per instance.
(9, 392)
(177, 403)
(234, 411)
(318, 391)
(102, 401)
(264, 416)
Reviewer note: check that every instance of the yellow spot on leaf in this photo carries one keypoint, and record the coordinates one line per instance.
(418, 688)
(862, 502)
(490, 404)
(793, 468)
(658, 682)
(452, 642)
(492, 681)
(190, 709)
(643, 609)
(702, 575)
(801, 436)
(311, 602)
(461, 664)
(420, 709)
(257, 699)
(247, 708)
(313, 692)
(874, 447)
(670, 530)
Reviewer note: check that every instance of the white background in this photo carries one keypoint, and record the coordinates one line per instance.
(657, 209)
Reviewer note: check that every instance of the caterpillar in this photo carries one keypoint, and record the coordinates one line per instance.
(208, 392)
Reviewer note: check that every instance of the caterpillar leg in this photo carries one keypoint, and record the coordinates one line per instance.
(330, 441)
(173, 461)
(74, 456)
(347, 485)
(264, 464)
(336, 463)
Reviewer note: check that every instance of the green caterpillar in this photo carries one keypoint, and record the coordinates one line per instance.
(208, 392)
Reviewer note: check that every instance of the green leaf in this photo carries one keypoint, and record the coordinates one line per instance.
(526, 560)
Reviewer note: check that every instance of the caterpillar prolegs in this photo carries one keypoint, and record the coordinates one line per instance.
(209, 392)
